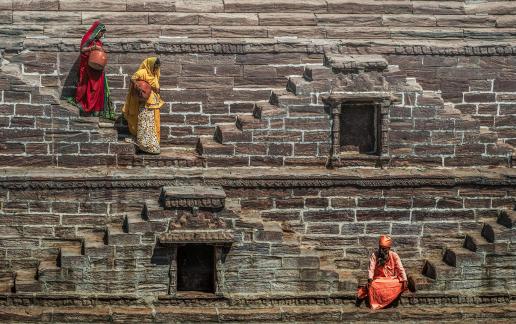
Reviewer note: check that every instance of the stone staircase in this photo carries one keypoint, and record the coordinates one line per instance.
(468, 258)
(56, 135)
(293, 126)
(269, 132)
(124, 256)
(134, 254)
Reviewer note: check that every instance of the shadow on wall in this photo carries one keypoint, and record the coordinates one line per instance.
(70, 83)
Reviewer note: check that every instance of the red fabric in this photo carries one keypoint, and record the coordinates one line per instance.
(383, 291)
(90, 88)
(388, 281)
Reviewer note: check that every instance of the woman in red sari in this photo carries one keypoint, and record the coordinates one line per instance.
(92, 94)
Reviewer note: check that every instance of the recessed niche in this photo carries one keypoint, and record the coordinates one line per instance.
(196, 268)
(359, 128)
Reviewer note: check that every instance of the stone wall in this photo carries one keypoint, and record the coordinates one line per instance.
(322, 19)
(226, 62)
(216, 103)
(308, 235)
(253, 91)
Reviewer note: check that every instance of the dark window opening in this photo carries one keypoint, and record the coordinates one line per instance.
(196, 268)
(359, 128)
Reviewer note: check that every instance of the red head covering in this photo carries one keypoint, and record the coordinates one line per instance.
(92, 30)
(385, 241)
(90, 86)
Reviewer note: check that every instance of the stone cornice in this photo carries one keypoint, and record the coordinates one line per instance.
(266, 180)
(57, 300)
(279, 45)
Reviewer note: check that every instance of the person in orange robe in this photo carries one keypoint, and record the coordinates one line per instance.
(387, 278)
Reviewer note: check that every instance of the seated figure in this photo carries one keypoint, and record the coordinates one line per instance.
(387, 278)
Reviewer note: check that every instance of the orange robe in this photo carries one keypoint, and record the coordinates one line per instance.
(387, 282)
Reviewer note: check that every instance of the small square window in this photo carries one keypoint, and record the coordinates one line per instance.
(196, 268)
(359, 128)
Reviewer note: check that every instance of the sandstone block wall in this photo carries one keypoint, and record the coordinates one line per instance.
(322, 19)
(226, 62)
(296, 238)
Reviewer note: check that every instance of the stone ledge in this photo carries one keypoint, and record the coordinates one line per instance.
(313, 313)
(408, 299)
(55, 178)
(291, 45)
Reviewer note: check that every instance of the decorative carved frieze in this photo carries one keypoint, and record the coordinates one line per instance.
(57, 300)
(264, 182)
(193, 196)
(197, 236)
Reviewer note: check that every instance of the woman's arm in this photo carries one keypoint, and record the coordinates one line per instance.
(91, 48)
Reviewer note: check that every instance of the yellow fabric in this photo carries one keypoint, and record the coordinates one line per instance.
(132, 102)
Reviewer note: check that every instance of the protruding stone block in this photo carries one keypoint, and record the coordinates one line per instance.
(193, 196)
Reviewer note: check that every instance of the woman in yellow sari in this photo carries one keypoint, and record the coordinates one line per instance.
(143, 116)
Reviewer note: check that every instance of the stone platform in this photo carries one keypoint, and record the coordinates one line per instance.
(309, 313)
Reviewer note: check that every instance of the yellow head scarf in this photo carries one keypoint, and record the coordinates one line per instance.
(148, 65)
(148, 73)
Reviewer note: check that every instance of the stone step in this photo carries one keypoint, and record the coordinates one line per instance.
(116, 236)
(458, 256)
(494, 232)
(430, 98)
(94, 245)
(302, 87)
(170, 156)
(299, 86)
(507, 218)
(105, 135)
(266, 110)
(26, 282)
(106, 123)
(422, 282)
(475, 242)
(436, 269)
(193, 196)
(244, 122)
(229, 133)
(6, 281)
(152, 210)
(49, 271)
(122, 148)
(135, 224)
(208, 146)
(71, 257)
(66, 243)
(284, 98)
(318, 72)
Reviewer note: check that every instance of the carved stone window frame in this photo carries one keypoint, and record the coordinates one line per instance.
(381, 101)
(220, 250)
